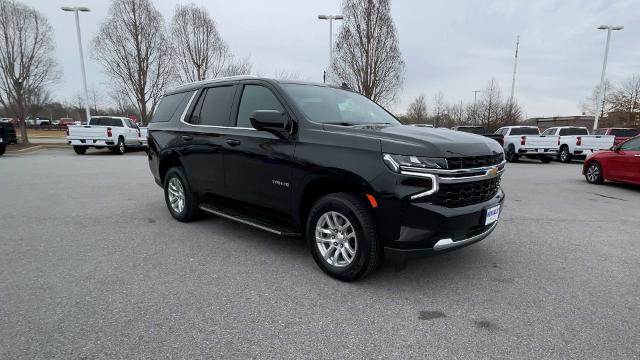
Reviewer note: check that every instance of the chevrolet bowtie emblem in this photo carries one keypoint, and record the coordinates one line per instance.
(493, 172)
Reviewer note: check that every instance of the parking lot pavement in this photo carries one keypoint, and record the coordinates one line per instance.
(93, 266)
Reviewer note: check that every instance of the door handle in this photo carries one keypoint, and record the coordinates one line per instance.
(637, 155)
(233, 142)
(187, 137)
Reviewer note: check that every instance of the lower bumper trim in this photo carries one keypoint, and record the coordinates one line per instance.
(448, 243)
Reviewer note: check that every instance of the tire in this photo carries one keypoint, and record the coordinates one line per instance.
(176, 181)
(80, 150)
(545, 159)
(511, 154)
(366, 250)
(119, 148)
(593, 174)
(3, 148)
(565, 156)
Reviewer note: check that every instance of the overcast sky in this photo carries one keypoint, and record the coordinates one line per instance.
(452, 46)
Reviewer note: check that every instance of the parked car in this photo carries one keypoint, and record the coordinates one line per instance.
(39, 121)
(64, 122)
(527, 141)
(620, 164)
(621, 134)
(144, 134)
(7, 136)
(327, 163)
(479, 130)
(575, 142)
(113, 132)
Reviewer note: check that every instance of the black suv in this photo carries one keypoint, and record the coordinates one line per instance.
(7, 136)
(326, 163)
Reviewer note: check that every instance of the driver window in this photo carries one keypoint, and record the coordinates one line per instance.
(255, 97)
(631, 145)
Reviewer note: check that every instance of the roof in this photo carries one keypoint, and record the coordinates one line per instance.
(198, 84)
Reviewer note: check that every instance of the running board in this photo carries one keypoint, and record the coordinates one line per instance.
(257, 223)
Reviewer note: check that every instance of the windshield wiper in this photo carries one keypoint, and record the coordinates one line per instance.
(342, 123)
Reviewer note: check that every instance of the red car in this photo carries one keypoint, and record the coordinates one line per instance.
(620, 164)
(621, 134)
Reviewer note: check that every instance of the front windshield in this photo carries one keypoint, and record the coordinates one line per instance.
(329, 105)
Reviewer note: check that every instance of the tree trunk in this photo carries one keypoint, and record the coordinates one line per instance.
(24, 139)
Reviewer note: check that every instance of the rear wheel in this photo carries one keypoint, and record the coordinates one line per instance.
(342, 236)
(80, 150)
(594, 173)
(565, 156)
(511, 154)
(119, 148)
(181, 202)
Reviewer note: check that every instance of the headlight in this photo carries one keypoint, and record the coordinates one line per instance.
(394, 162)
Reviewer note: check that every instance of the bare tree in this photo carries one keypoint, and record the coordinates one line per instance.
(27, 65)
(122, 102)
(417, 111)
(590, 103)
(626, 97)
(490, 106)
(132, 46)
(439, 107)
(367, 56)
(200, 51)
(238, 67)
(283, 74)
(511, 113)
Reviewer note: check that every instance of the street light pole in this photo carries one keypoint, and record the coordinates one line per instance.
(475, 95)
(604, 69)
(76, 10)
(330, 18)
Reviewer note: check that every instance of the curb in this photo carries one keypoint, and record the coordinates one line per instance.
(38, 147)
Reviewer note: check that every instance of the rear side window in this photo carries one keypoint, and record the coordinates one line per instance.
(600, 132)
(624, 132)
(171, 107)
(549, 131)
(106, 121)
(573, 131)
(255, 97)
(524, 131)
(213, 107)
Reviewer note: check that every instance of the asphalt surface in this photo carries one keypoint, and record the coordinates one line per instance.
(93, 266)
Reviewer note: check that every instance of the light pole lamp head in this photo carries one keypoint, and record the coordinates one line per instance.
(609, 27)
(619, 27)
(323, 17)
(83, 8)
(75, 8)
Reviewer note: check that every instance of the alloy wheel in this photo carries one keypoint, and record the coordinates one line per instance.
(593, 173)
(176, 195)
(336, 239)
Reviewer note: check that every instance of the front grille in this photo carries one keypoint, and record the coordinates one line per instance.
(470, 162)
(463, 194)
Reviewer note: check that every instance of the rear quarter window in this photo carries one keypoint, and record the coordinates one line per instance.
(624, 132)
(524, 131)
(573, 131)
(171, 107)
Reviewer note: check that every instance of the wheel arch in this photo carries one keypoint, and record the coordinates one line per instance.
(325, 183)
(167, 161)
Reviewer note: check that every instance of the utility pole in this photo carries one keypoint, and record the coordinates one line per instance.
(515, 66)
(475, 96)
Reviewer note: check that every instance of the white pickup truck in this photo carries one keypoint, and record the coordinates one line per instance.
(527, 141)
(113, 132)
(575, 142)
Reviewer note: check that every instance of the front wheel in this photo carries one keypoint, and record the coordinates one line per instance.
(342, 236)
(80, 150)
(594, 173)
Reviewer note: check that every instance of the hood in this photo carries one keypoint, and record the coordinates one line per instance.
(421, 141)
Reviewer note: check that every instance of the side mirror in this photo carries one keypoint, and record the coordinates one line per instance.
(272, 121)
